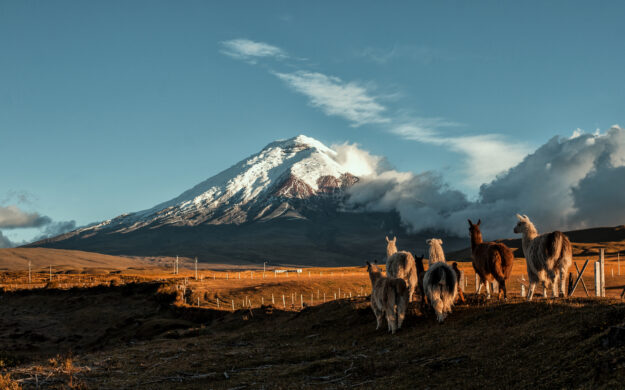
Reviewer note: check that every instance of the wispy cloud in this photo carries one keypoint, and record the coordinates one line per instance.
(485, 155)
(417, 53)
(245, 49)
(335, 97)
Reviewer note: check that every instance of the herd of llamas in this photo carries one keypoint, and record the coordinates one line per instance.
(548, 258)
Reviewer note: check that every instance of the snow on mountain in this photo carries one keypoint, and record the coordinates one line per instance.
(265, 185)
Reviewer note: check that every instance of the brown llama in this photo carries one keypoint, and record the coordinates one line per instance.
(401, 265)
(389, 297)
(460, 280)
(491, 261)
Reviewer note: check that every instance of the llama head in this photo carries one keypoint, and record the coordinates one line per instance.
(523, 225)
(391, 246)
(419, 263)
(474, 229)
(454, 265)
(373, 270)
(434, 241)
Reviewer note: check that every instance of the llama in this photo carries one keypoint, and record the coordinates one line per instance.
(401, 265)
(436, 251)
(389, 297)
(491, 261)
(459, 279)
(548, 257)
(440, 284)
(420, 274)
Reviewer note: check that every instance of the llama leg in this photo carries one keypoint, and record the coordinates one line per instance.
(544, 289)
(555, 284)
(530, 293)
(563, 282)
(487, 289)
(391, 319)
(502, 289)
(479, 288)
(378, 317)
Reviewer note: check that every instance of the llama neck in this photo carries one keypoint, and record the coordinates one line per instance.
(529, 234)
(391, 250)
(374, 276)
(419, 265)
(476, 239)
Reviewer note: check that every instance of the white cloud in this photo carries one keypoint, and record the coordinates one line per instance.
(564, 184)
(246, 49)
(335, 97)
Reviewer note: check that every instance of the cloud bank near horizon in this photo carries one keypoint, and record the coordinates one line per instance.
(567, 183)
(12, 217)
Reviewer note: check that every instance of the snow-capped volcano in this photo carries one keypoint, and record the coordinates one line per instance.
(280, 180)
(283, 205)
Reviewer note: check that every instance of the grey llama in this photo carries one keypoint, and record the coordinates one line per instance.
(401, 265)
(547, 257)
(440, 283)
(389, 298)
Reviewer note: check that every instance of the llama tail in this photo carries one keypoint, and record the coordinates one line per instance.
(441, 286)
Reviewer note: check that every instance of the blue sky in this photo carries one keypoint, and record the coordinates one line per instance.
(111, 107)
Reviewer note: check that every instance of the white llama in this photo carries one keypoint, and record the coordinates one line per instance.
(401, 265)
(436, 251)
(548, 257)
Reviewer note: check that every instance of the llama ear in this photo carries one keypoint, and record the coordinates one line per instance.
(479, 221)
(519, 217)
(368, 264)
(470, 223)
(440, 241)
(387, 240)
(526, 217)
(394, 239)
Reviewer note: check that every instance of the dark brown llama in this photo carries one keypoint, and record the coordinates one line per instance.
(491, 260)
(460, 280)
(420, 273)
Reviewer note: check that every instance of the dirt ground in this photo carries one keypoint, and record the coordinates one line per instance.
(144, 336)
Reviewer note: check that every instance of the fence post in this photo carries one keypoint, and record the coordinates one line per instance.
(477, 283)
(618, 262)
(602, 260)
(283, 301)
(523, 291)
(312, 299)
(273, 302)
(301, 298)
(597, 279)
(233, 305)
(324, 297)
(218, 304)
